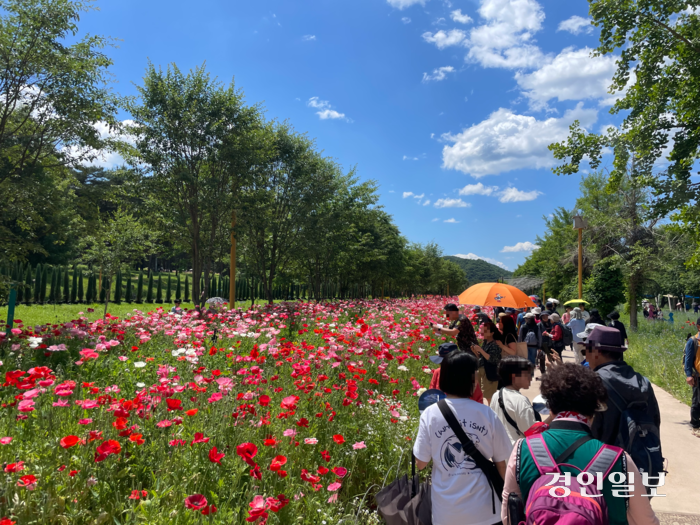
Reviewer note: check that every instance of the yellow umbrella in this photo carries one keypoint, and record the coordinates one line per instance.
(496, 294)
(576, 301)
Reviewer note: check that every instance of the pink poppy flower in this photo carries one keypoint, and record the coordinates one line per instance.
(5, 441)
(359, 445)
(334, 486)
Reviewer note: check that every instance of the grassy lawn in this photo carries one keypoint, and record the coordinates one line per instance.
(656, 351)
(52, 314)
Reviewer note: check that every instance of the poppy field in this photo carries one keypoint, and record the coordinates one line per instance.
(291, 413)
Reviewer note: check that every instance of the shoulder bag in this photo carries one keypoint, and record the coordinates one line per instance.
(487, 466)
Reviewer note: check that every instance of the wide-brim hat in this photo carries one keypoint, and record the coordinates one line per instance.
(606, 338)
(537, 310)
(588, 330)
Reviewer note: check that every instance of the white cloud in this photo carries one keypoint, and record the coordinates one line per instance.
(405, 157)
(438, 74)
(427, 202)
(575, 25)
(520, 247)
(406, 20)
(506, 141)
(104, 158)
(573, 75)
(326, 111)
(451, 221)
(487, 259)
(315, 102)
(443, 39)
(403, 4)
(451, 203)
(505, 39)
(478, 189)
(308, 38)
(457, 16)
(419, 197)
(330, 114)
(435, 219)
(407, 194)
(516, 195)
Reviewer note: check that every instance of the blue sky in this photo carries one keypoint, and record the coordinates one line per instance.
(448, 105)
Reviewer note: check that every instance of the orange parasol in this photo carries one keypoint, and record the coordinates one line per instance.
(496, 294)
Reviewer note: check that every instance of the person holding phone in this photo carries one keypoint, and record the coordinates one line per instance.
(489, 358)
(459, 327)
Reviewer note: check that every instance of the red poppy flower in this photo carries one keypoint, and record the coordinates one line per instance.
(70, 441)
(247, 452)
(137, 438)
(173, 404)
(210, 509)
(305, 476)
(325, 455)
(257, 509)
(27, 481)
(339, 439)
(214, 456)
(7, 521)
(72, 473)
(107, 448)
(135, 494)
(264, 400)
(277, 463)
(255, 472)
(15, 467)
(195, 502)
(340, 471)
(199, 438)
(303, 422)
(192, 412)
(322, 470)
(270, 442)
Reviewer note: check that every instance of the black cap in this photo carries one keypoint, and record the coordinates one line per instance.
(178, 301)
(614, 315)
(451, 307)
(477, 308)
(443, 351)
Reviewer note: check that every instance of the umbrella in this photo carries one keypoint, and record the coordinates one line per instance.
(216, 300)
(495, 294)
(534, 297)
(576, 301)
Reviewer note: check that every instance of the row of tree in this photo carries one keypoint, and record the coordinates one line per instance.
(207, 180)
(628, 252)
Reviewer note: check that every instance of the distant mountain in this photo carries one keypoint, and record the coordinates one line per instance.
(479, 271)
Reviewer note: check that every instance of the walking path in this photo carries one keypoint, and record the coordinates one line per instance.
(682, 451)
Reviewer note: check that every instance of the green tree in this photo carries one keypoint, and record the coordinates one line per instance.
(28, 285)
(54, 92)
(81, 291)
(139, 288)
(129, 297)
(44, 281)
(605, 288)
(187, 288)
(169, 290)
(66, 286)
(191, 131)
(74, 288)
(159, 289)
(119, 241)
(178, 290)
(149, 288)
(37, 284)
(118, 288)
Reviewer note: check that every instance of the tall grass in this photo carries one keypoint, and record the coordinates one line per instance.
(656, 351)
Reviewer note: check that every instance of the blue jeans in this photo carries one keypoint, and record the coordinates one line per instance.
(532, 355)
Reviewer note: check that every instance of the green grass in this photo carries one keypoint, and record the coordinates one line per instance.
(53, 314)
(656, 351)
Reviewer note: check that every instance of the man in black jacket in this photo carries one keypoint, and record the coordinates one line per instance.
(604, 353)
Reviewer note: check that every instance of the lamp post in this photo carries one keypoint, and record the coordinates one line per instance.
(580, 224)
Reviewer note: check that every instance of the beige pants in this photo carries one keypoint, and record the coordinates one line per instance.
(488, 388)
(577, 347)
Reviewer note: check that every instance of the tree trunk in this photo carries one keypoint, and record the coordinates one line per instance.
(109, 287)
(232, 272)
(633, 303)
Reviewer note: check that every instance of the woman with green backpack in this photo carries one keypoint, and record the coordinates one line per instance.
(582, 492)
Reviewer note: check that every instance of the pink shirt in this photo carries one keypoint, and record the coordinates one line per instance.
(638, 513)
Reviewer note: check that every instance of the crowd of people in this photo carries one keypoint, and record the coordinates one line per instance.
(600, 417)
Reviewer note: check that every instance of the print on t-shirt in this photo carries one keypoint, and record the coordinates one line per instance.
(452, 454)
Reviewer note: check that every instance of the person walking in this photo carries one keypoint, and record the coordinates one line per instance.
(595, 317)
(543, 354)
(513, 408)
(489, 357)
(509, 343)
(530, 334)
(461, 493)
(584, 313)
(574, 395)
(691, 367)
(632, 402)
(616, 323)
(577, 325)
(557, 334)
(566, 316)
(459, 327)
(444, 350)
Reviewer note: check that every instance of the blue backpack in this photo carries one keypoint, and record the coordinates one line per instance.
(637, 434)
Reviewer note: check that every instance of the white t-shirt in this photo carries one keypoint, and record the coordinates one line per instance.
(461, 492)
(519, 409)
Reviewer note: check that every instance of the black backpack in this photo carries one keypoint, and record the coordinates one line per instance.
(568, 338)
(637, 434)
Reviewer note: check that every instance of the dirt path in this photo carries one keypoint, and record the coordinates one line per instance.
(682, 451)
